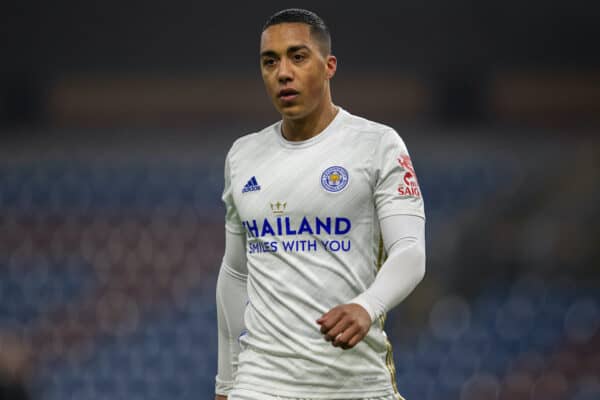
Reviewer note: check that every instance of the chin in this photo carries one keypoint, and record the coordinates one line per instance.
(292, 112)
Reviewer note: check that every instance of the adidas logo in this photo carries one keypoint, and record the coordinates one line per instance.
(251, 186)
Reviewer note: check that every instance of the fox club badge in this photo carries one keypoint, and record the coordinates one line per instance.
(334, 179)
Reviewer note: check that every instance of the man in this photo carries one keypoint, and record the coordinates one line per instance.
(313, 201)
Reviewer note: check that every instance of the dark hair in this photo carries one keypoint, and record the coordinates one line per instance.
(318, 29)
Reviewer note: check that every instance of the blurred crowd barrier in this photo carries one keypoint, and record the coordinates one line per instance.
(101, 100)
(546, 97)
(539, 98)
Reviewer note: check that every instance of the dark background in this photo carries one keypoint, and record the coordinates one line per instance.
(115, 118)
(457, 49)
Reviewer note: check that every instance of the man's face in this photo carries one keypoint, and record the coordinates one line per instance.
(295, 72)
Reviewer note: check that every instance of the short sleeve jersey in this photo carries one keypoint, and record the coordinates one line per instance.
(310, 211)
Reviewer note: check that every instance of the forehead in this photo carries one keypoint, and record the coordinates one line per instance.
(281, 36)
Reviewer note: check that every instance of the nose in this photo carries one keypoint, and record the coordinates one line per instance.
(285, 72)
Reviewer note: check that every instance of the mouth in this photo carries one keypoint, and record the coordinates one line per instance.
(288, 94)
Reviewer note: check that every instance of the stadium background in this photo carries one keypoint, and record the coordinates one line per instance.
(115, 119)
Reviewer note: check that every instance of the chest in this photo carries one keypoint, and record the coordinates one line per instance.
(316, 182)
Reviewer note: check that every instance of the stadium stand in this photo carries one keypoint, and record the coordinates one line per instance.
(107, 274)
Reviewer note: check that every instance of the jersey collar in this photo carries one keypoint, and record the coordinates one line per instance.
(335, 122)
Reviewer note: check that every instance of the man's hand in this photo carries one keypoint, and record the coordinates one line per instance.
(220, 397)
(345, 325)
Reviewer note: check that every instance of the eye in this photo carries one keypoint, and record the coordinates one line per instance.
(268, 62)
(298, 57)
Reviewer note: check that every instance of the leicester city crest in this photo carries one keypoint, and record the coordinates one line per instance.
(334, 179)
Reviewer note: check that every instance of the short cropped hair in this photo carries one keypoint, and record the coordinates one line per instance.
(318, 29)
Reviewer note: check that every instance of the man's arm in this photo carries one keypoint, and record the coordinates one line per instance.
(231, 300)
(404, 239)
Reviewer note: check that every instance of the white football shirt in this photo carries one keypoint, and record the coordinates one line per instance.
(311, 213)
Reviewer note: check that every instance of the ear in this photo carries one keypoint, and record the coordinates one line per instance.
(331, 65)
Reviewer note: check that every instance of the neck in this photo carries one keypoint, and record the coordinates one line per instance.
(304, 128)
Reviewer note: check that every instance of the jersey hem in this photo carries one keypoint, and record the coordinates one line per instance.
(334, 395)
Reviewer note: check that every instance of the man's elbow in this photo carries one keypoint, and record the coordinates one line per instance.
(420, 261)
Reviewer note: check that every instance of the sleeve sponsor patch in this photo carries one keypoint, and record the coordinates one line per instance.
(409, 186)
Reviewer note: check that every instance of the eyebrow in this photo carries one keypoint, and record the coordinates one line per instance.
(291, 49)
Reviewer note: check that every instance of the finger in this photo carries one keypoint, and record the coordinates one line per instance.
(327, 315)
(322, 318)
(329, 322)
(355, 340)
(340, 327)
(343, 337)
(352, 342)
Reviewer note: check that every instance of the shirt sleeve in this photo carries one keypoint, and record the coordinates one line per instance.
(233, 223)
(404, 240)
(231, 297)
(397, 189)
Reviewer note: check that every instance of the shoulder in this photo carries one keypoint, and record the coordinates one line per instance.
(367, 129)
(380, 142)
(249, 142)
